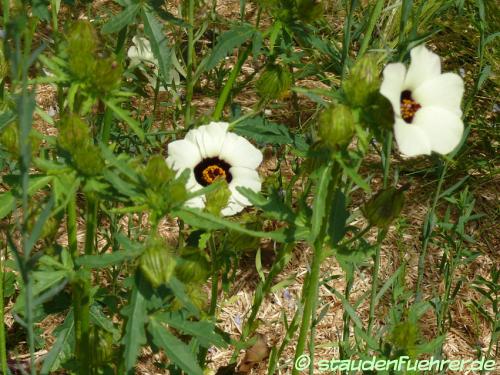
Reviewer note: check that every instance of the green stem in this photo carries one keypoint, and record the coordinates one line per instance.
(91, 225)
(376, 270)
(221, 102)
(190, 56)
(83, 288)
(215, 278)
(428, 234)
(374, 15)
(386, 159)
(347, 35)
(106, 125)
(54, 15)
(345, 318)
(6, 11)
(72, 228)
(311, 291)
(3, 348)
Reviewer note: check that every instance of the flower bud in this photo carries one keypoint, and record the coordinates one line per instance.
(107, 75)
(4, 65)
(274, 82)
(157, 173)
(177, 191)
(101, 346)
(217, 199)
(157, 263)
(196, 294)
(309, 10)
(385, 206)
(88, 160)
(9, 139)
(378, 114)
(73, 134)
(405, 336)
(81, 49)
(362, 82)
(193, 266)
(336, 126)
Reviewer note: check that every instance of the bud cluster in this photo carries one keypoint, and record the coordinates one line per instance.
(102, 74)
(74, 139)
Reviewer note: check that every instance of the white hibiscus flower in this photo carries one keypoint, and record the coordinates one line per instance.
(426, 104)
(211, 152)
(141, 51)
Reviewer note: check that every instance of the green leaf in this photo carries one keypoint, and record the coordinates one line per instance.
(263, 131)
(135, 335)
(61, 348)
(108, 259)
(205, 220)
(273, 206)
(124, 116)
(353, 175)
(122, 19)
(227, 42)
(7, 204)
(204, 331)
(320, 202)
(99, 318)
(176, 350)
(159, 43)
(338, 218)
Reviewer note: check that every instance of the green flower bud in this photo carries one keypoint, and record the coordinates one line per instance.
(193, 266)
(81, 49)
(363, 81)
(157, 173)
(309, 10)
(9, 139)
(73, 134)
(217, 199)
(404, 337)
(101, 346)
(88, 160)
(336, 126)
(385, 206)
(196, 294)
(379, 113)
(274, 82)
(177, 191)
(107, 75)
(157, 263)
(4, 65)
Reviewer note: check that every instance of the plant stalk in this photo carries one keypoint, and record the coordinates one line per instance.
(221, 102)
(427, 235)
(3, 348)
(190, 64)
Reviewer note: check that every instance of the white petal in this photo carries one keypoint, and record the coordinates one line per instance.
(424, 65)
(191, 184)
(182, 154)
(143, 48)
(443, 128)
(239, 152)
(392, 85)
(411, 139)
(213, 137)
(209, 138)
(245, 177)
(196, 202)
(232, 208)
(445, 91)
(133, 53)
